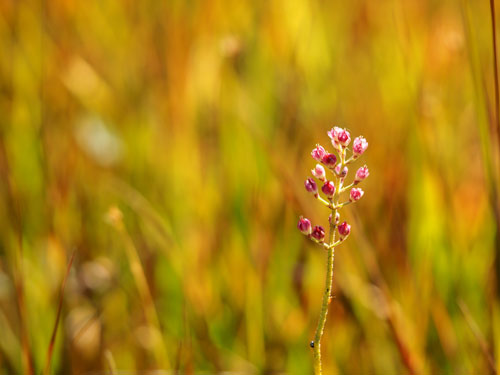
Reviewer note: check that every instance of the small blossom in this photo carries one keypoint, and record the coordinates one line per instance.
(359, 146)
(344, 137)
(311, 186)
(356, 194)
(333, 134)
(339, 173)
(319, 172)
(328, 188)
(318, 233)
(304, 226)
(344, 229)
(337, 218)
(361, 174)
(329, 160)
(318, 153)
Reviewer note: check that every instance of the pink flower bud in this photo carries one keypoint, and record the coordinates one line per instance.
(329, 160)
(333, 134)
(339, 173)
(359, 146)
(337, 218)
(319, 172)
(318, 233)
(356, 194)
(304, 226)
(311, 186)
(318, 153)
(344, 137)
(344, 229)
(361, 174)
(328, 188)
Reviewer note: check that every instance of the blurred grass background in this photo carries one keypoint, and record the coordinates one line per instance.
(165, 144)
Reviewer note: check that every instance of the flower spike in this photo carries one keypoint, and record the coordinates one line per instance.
(333, 189)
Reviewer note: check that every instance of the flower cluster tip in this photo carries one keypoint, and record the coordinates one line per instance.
(337, 164)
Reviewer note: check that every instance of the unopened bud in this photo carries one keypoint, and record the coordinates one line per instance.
(361, 174)
(318, 153)
(341, 173)
(334, 134)
(356, 194)
(304, 226)
(329, 160)
(311, 186)
(328, 189)
(319, 172)
(318, 233)
(344, 229)
(344, 137)
(337, 218)
(359, 146)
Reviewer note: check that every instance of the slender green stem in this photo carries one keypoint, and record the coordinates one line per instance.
(340, 205)
(326, 298)
(331, 205)
(350, 160)
(335, 244)
(324, 201)
(327, 295)
(347, 187)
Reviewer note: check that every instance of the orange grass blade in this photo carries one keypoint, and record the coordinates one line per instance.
(478, 335)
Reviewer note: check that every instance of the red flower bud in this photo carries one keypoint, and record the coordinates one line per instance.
(329, 160)
(304, 226)
(311, 186)
(344, 229)
(318, 233)
(344, 137)
(328, 189)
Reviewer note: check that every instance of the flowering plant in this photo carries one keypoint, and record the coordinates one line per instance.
(337, 165)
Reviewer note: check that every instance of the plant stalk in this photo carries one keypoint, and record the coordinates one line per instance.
(327, 296)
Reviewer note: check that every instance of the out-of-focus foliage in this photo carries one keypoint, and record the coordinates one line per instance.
(166, 144)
